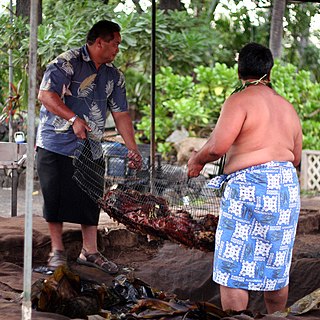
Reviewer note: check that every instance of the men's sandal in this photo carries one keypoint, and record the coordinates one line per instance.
(97, 260)
(56, 258)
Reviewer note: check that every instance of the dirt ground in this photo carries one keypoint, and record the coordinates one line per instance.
(165, 266)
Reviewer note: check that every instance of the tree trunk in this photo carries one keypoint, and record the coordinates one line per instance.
(170, 5)
(213, 6)
(23, 9)
(304, 36)
(137, 4)
(276, 31)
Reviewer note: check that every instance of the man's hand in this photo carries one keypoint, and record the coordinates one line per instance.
(80, 128)
(135, 159)
(194, 167)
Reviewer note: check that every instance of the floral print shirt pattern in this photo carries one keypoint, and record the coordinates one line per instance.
(88, 92)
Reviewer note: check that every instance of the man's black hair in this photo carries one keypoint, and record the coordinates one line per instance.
(103, 29)
(254, 61)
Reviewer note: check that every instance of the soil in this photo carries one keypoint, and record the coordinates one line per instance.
(165, 266)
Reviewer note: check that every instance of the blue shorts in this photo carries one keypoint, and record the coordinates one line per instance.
(257, 225)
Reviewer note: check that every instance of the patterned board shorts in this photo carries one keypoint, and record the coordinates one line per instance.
(257, 226)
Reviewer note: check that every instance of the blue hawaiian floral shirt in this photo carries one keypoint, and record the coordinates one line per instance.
(89, 92)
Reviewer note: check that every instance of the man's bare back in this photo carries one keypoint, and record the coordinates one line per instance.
(255, 126)
(269, 128)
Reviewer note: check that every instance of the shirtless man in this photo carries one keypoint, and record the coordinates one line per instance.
(260, 134)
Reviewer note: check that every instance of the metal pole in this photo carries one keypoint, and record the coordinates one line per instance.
(14, 192)
(10, 78)
(153, 86)
(153, 80)
(27, 276)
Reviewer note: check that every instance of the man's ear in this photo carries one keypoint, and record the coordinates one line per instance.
(269, 75)
(98, 42)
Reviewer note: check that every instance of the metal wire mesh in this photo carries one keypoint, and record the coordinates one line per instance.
(160, 201)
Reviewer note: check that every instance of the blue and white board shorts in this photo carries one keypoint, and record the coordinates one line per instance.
(257, 225)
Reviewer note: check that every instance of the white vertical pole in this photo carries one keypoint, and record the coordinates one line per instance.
(27, 276)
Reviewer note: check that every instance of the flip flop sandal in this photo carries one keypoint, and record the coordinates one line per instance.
(97, 260)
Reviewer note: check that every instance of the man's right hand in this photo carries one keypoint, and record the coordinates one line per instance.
(80, 128)
(194, 168)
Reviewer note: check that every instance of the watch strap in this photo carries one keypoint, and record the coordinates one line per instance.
(72, 120)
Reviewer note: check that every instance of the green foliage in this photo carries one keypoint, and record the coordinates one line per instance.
(296, 86)
(195, 58)
(181, 42)
(236, 28)
(311, 134)
(183, 101)
(11, 37)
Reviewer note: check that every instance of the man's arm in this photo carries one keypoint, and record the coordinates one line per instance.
(124, 126)
(55, 105)
(297, 147)
(222, 137)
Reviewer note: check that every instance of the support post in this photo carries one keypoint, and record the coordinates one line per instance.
(26, 311)
(153, 87)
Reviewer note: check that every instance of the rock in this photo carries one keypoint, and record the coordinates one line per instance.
(178, 135)
(186, 146)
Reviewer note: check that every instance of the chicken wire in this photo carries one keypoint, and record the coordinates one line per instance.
(160, 201)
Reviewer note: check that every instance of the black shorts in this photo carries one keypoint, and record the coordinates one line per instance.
(64, 200)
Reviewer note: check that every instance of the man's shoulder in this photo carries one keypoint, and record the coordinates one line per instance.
(236, 98)
(71, 54)
(112, 67)
(252, 95)
(115, 71)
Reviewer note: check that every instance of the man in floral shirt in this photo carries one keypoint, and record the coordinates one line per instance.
(78, 89)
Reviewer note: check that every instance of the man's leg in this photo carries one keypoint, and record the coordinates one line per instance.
(89, 254)
(57, 255)
(55, 229)
(89, 238)
(276, 300)
(234, 299)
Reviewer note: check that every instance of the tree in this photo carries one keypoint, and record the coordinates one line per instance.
(23, 9)
(137, 4)
(276, 31)
(170, 5)
(302, 51)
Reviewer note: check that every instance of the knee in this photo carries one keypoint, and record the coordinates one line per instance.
(276, 300)
(271, 298)
(234, 299)
(277, 295)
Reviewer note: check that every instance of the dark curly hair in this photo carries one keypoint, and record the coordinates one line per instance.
(103, 29)
(254, 61)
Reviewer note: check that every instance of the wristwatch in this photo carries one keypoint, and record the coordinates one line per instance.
(72, 120)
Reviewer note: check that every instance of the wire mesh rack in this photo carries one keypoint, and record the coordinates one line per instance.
(160, 201)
